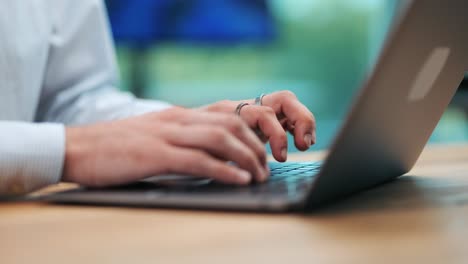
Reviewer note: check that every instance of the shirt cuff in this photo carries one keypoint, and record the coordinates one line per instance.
(31, 156)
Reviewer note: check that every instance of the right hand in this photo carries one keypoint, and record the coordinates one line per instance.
(177, 140)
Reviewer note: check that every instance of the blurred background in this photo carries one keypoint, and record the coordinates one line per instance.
(194, 52)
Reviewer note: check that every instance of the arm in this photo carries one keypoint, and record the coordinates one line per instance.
(78, 87)
(81, 76)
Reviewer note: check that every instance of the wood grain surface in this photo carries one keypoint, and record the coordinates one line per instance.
(420, 218)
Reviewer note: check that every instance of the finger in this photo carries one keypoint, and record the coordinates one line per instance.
(302, 124)
(264, 118)
(242, 131)
(233, 123)
(299, 117)
(199, 163)
(219, 142)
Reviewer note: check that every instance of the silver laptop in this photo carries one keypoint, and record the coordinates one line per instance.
(413, 81)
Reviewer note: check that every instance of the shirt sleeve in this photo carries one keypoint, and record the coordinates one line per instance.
(81, 76)
(31, 156)
(79, 87)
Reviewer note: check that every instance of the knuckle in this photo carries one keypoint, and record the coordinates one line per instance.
(201, 162)
(220, 106)
(248, 165)
(225, 102)
(231, 119)
(310, 121)
(218, 135)
(282, 137)
(249, 158)
(288, 94)
(234, 124)
(268, 111)
(312, 117)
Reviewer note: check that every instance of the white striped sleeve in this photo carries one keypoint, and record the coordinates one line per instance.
(31, 156)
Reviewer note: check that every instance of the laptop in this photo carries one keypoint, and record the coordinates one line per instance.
(418, 71)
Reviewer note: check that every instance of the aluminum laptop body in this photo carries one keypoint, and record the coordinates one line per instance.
(392, 118)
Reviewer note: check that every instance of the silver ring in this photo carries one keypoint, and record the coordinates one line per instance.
(259, 99)
(239, 107)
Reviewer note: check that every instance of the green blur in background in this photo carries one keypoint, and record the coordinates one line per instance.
(323, 52)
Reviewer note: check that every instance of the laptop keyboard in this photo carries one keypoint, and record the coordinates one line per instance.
(285, 178)
(290, 177)
(293, 170)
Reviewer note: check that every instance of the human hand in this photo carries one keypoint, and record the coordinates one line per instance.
(279, 112)
(177, 140)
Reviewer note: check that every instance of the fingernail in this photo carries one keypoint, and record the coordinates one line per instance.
(244, 177)
(308, 139)
(284, 153)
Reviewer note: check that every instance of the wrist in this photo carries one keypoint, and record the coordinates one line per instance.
(73, 151)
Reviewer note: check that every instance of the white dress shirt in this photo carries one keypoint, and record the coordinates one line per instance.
(57, 67)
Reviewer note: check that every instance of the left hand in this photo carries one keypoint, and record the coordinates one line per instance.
(279, 112)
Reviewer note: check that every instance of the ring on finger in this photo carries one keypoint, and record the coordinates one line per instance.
(259, 99)
(239, 107)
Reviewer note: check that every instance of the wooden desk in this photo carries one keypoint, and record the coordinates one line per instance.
(421, 218)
